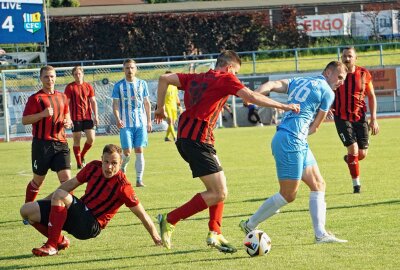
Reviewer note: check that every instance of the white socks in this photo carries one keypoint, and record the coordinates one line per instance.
(356, 182)
(318, 212)
(139, 166)
(266, 210)
(125, 161)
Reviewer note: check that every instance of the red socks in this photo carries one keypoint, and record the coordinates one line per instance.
(32, 191)
(86, 148)
(216, 212)
(195, 205)
(77, 153)
(352, 163)
(58, 215)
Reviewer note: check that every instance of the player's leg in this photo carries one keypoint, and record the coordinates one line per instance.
(140, 140)
(317, 206)
(41, 157)
(37, 213)
(76, 136)
(88, 126)
(289, 167)
(126, 144)
(61, 162)
(347, 135)
(169, 129)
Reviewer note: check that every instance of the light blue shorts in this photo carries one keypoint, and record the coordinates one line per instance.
(291, 155)
(133, 137)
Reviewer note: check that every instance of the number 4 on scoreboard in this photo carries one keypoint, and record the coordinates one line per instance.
(8, 24)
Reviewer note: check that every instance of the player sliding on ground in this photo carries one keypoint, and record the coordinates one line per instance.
(107, 189)
(205, 95)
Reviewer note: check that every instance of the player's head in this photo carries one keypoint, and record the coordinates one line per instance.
(48, 77)
(335, 73)
(111, 160)
(77, 72)
(130, 69)
(228, 61)
(349, 57)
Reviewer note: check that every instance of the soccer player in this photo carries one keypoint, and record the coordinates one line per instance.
(106, 191)
(82, 103)
(205, 96)
(349, 111)
(47, 112)
(131, 107)
(172, 103)
(293, 157)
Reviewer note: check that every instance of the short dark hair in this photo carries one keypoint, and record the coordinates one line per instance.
(336, 65)
(112, 148)
(76, 68)
(168, 71)
(228, 57)
(349, 48)
(128, 61)
(46, 68)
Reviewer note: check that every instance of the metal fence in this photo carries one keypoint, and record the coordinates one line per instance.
(18, 85)
(269, 61)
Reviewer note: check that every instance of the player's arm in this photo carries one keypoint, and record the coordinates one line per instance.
(147, 108)
(67, 186)
(163, 82)
(321, 115)
(95, 110)
(256, 98)
(280, 86)
(139, 211)
(373, 123)
(115, 106)
(33, 118)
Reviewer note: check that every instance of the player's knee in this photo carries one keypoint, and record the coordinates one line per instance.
(221, 195)
(59, 195)
(25, 210)
(289, 197)
(362, 155)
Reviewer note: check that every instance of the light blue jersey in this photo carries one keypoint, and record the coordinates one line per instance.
(289, 145)
(313, 94)
(130, 96)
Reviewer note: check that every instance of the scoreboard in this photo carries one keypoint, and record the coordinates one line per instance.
(22, 21)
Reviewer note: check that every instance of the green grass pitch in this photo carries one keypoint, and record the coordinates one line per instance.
(370, 220)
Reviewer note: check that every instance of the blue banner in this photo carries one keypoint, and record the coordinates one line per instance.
(22, 21)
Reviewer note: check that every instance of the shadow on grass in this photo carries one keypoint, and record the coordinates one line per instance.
(59, 264)
(306, 210)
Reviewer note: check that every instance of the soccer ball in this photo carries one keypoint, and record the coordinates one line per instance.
(257, 243)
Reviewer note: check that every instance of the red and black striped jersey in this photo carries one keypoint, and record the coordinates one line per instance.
(205, 95)
(104, 196)
(48, 128)
(79, 100)
(349, 101)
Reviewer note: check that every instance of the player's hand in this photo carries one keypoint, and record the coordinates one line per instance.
(96, 121)
(149, 127)
(293, 107)
(329, 115)
(120, 124)
(67, 123)
(373, 125)
(48, 112)
(159, 114)
(157, 240)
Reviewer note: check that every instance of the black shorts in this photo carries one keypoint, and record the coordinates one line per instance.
(202, 157)
(82, 125)
(353, 132)
(49, 155)
(80, 222)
